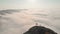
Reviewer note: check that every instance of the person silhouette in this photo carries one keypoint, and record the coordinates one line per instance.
(36, 24)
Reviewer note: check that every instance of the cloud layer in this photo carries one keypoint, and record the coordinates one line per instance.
(19, 21)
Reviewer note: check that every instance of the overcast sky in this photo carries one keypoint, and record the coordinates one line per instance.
(18, 4)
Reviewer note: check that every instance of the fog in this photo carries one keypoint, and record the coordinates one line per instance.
(18, 21)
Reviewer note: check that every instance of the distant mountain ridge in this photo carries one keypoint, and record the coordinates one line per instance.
(10, 11)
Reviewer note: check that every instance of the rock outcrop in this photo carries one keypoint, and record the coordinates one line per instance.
(40, 30)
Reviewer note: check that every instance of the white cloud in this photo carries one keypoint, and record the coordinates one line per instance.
(20, 22)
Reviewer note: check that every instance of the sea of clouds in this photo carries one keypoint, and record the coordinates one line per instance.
(18, 21)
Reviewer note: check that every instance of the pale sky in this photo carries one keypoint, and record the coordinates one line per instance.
(19, 4)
